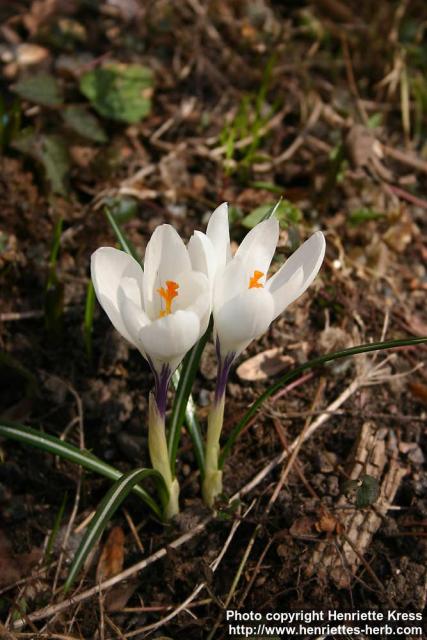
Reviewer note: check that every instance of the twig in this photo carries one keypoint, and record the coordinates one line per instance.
(20, 315)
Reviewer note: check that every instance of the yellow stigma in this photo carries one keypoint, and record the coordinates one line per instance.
(253, 281)
(168, 294)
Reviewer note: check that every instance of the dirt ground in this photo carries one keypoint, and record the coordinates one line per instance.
(323, 103)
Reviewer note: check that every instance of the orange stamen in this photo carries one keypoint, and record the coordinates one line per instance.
(168, 295)
(253, 281)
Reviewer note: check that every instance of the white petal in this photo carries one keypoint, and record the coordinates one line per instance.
(165, 257)
(192, 284)
(133, 316)
(108, 267)
(230, 281)
(202, 255)
(298, 272)
(194, 295)
(168, 339)
(218, 233)
(242, 319)
(257, 248)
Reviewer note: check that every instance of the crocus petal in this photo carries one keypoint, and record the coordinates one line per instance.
(132, 315)
(298, 272)
(242, 319)
(108, 267)
(219, 234)
(165, 256)
(168, 339)
(257, 248)
(202, 255)
(194, 295)
(230, 280)
(191, 285)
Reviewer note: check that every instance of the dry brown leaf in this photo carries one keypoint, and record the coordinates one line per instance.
(419, 391)
(264, 365)
(112, 556)
(303, 527)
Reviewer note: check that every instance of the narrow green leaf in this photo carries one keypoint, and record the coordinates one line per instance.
(66, 451)
(88, 321)
(183, 407)
(124, 242)
(311, 364)
(107, 507)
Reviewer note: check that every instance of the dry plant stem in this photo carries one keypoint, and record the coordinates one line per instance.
(161, 553)
(159, 455)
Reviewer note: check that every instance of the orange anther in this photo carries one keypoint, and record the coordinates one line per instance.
(168, 295)
(253, 281)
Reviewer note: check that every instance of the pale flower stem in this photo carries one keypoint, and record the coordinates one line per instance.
(212, 484)
(158, 448)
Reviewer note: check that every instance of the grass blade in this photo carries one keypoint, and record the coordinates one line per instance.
(107, 507)
(184, 408)
(124, 242)
(311, 364)
(88, 320)
(66, 451)
(55, 529)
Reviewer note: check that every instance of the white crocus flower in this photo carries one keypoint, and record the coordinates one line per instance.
(162, 311)
(245, 301)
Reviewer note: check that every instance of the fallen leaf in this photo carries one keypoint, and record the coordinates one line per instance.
(264, 365)
(112, 556)
(419, 391)
(326, 523)
(303, 527)
(118, 597)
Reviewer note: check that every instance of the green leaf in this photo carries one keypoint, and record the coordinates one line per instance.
(108, 506)
(183, 407)
(41, 88)
(120, 92)
(51, 152)
(286, 213)
(56, 161)
(80, 120)
(292, 375)
(368, 492)
(66, 451)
